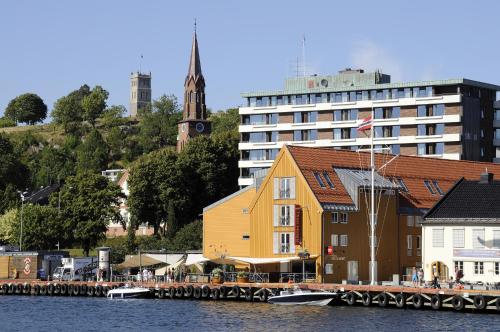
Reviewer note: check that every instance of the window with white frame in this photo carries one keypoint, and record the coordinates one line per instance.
(496, 239)
(410, 221)
(335, 240)
(335, 217)
(343, 218)
(284, 218)
(478, 238)
(284, 188)
(343, 240)
(458, 237)
(459, 265)
(409, 245)
(478, 267)
(438, 237)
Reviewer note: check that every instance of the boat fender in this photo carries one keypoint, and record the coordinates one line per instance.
(197, 293)
(71, 287)
(12, 288)
(43, 290)
(26, 289)
(105, 290)
(188, 293)
(36, 289)
(98, 290)
(436, 302)
(171, 292)
(90, 291)
(114, 287)
(236, 291)
(383, 299)
(263, 296)
(179, 292)
(249, 294)
(497, 303)
(366, 298)
(50, 289)
(400, 300)
(161, 293)
(457, 302)
(57, 288)
(205, 291)
(76, 290)
(479, 302)
(351, 298)
(64, 289)
(5, 288)
(216, 294)
(19, 289)
(223, 291)
(83, 289)
(418, 301)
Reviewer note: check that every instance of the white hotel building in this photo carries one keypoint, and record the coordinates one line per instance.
(454, 119)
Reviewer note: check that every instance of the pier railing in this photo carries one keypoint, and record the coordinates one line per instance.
(297, 277)
(252, 277)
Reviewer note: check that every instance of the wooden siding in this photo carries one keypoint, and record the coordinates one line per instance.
(224, 226)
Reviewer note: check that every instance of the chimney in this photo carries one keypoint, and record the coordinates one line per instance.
(486, 178)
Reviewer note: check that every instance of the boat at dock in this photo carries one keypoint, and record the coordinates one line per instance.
(299, 296)
(128, 292)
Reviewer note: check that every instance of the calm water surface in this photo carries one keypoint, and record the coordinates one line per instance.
(20, 313)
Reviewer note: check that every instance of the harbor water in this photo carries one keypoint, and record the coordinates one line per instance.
(30, 313)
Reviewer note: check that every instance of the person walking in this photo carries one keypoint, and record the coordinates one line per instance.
(420, 276)
(435, 282)
(414, 277)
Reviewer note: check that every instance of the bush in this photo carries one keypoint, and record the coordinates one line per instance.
(4, 123)
(242, 274)
(217, 273)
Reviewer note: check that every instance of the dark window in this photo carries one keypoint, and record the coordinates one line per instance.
(402, 184)
(318, 178)
(438, 188)
(429, 187)
(328, 180)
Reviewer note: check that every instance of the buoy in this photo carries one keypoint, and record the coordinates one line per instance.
(236, 291)
(383, 299)
(418, 301)
(366, 298)
(436, 302)
(205, 291)
(479, 302)
(457, 302)
(351, 298)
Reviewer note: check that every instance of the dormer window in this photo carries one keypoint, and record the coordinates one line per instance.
(319, 179)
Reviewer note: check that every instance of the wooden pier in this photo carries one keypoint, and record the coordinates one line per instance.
(363, 295)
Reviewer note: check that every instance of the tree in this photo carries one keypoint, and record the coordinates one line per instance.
(27, 108)
(54, 164)
(42, 228)
(189, 237)
(172, 221)
(115, 140)
(113, 116)
(13, 174)
(158, 124)
(92, 154)
(68, 110)
(6, 122)
(88, 204)
(223, 122)
(8, 222)
(93, 104)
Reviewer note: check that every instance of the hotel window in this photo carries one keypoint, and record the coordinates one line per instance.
(366, 95)
(407, 93)
(497, 133)
(430, 148)
(359, 95)
(429, 187)
(284, 188)
(305, 135)
(496, 239)
(395, 149)
(352, 96)
(328, 180)
(335, 240)
(459, 265)
(345, 115)
(418, 239)
(318, 178)
(337, 97)
(478, 267)
(271, 118)
(438, 237)
(410, 221)
(271, 136)
(409, 245)
(497, 268)
(343, 133)
(305, 117)
(343, 240)
(458, 238)
(273, 101)
(478, 238)
(497, 115)
(345, 97)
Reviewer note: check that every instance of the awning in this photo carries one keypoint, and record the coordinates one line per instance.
(270, 260)
(166, 258)
(133, 261)
(195, 259)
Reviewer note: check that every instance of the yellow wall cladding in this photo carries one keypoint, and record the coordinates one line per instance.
(224, 226)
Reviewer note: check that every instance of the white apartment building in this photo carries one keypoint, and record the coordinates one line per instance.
(450, 119)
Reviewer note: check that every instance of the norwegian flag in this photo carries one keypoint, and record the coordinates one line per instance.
(365, 124)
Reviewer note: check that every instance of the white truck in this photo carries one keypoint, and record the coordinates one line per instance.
(76, 268)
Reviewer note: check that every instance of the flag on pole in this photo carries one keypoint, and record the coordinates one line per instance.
(365, 124)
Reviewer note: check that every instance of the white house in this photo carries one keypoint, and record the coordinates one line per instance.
(462, 231)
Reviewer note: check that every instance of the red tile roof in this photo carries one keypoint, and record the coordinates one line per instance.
(413, 170)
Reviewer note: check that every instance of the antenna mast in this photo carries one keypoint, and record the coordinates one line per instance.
(304, 55)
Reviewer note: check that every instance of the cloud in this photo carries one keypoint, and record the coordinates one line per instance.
(370, 56)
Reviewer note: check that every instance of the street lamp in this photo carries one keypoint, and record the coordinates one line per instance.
(22, 209)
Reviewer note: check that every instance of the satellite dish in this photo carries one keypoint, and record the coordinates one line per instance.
(324, 83)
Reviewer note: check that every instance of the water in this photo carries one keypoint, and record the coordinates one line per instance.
(29, 313)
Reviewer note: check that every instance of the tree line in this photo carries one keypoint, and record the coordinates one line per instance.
(167, 190)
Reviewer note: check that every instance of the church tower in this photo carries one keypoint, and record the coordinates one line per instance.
(194, 114)
(140, 92)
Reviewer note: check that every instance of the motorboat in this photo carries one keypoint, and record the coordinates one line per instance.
(302, 296)
(128, 292)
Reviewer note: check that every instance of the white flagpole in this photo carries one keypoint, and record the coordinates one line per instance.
(372, 205)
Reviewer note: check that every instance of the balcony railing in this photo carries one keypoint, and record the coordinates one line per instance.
(297, 277)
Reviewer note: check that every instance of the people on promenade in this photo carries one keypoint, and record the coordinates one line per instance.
(435, 281)
(414, 277)
(139, 276)
(420, 275)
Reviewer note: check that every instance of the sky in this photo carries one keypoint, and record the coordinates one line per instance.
(53, 47)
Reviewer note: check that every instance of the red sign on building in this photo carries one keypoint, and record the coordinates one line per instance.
(329, 250)
(298, 225)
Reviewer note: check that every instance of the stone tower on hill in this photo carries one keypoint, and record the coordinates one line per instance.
(194, 115)
(140, 92)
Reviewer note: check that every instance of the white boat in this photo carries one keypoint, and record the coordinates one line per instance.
(302, 296)
(128, 292)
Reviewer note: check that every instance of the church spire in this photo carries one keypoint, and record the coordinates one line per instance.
(194, 70)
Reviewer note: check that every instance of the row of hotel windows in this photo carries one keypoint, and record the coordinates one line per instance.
(478, 240)
(478, 267)
(340, 97)
(342, 115)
